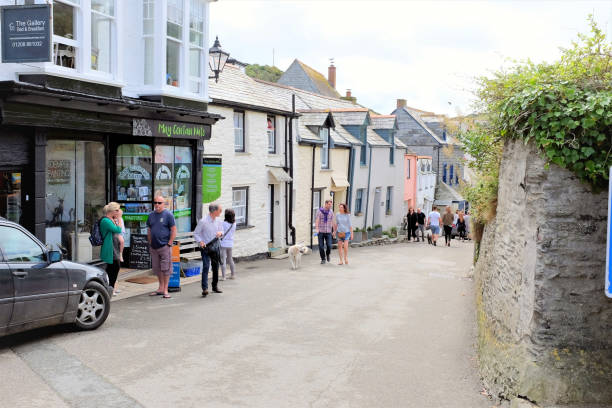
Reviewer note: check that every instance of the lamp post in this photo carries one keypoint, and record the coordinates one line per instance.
(217, 59)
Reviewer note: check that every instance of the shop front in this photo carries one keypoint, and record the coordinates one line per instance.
(57, 172)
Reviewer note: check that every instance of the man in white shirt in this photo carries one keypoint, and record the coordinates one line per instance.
(209, 228)
(433, 221)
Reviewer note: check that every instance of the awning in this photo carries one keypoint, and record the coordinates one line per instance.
(279, 174)
(340, 182)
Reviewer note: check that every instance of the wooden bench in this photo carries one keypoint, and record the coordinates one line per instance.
(188, 248)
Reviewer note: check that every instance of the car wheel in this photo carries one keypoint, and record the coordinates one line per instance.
(93, 308)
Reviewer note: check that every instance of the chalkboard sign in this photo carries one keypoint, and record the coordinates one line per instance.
(140, 258)
(26, 33)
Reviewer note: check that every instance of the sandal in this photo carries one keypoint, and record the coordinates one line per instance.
(340, 263)
(155, 294)
(166, 297)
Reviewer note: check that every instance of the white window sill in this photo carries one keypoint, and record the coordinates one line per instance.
(63, 72)
(326, 170)
(168, 90)
(242, 153)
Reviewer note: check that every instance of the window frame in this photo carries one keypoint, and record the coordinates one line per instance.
(444, 168)
(359, 199)
(194, 46)
(325, 147)
(389, 200)
(243, 136)
(245, 223)
(315, 191)
(272, 136)
(113, 54)
(451, 174)
(363, 153)
(408, 167)
(56, 40)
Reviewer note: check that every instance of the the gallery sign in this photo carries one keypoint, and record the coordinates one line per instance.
(168, 129)
(26, 33)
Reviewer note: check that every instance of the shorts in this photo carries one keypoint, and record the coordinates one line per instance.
(347, 236)
(435, 229)
(161, 261)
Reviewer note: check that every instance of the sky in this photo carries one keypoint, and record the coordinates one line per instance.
(427, 52)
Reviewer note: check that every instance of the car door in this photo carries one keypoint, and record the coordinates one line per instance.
(6, 293)
(40, 287)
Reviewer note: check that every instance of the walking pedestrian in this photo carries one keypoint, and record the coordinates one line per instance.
(227, 243)
(110, 229)
(344, 232)
(468, 227)
(324, 226)
(461, 226)
(161, 234)
(447, 221)
(420, 225)
(412, 220)
(208, 229)
(433, 221)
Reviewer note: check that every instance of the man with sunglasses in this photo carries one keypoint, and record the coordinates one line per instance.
(161, 234)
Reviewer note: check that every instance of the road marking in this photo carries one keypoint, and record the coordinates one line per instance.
(73, 381)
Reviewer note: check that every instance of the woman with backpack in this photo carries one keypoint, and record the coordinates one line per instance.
(110, 227)
(227, 243)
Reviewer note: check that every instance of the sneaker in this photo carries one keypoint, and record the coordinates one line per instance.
(117, 291)
(327, 258)
(222, 278)
(322, 261)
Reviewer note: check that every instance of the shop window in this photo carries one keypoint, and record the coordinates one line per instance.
(324, 135)
(183, 171)
(239, 145)
(134, 167)
(102, 32)
(76, 193)
(271, 134)
(10, 195)
(65, 45)
(240, 204)
(196, 45)
(174, 42)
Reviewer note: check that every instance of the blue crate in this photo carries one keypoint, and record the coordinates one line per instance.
(192, 271)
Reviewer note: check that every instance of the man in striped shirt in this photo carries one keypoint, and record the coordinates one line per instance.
(324, 225)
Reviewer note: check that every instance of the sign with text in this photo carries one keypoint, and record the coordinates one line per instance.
(608, 255)
(164, 128)
(26, 33)
(211, 179)
(140, 258)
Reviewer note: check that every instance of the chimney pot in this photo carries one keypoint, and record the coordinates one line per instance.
(401, 103)
(331, 75)
(348, 93)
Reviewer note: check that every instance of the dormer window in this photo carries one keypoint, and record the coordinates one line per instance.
(324, 135)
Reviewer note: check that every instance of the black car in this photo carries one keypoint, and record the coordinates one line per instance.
(38, 288)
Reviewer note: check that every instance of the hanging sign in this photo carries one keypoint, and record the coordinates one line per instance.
(211, 179)
(168, 129)
(26, 33)
(608, 255)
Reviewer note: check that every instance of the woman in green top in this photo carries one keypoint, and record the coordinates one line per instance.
(110, 225)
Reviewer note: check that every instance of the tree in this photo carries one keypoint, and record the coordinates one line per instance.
(263, 72)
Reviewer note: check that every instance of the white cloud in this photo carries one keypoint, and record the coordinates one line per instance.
(425, 52)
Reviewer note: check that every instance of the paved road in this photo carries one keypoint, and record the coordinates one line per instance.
(393, 329)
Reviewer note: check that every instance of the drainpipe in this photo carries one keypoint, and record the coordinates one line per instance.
(314, 147)
(349, 192)
(365, 220)
(291, 227)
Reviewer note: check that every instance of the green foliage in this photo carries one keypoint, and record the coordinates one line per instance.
(564, 108)
(263, 72)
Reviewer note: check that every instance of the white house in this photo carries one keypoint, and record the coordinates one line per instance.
(426, 183)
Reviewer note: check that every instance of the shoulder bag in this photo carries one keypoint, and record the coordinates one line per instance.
(213, 248)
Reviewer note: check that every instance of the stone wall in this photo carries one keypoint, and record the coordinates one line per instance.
(545, 325)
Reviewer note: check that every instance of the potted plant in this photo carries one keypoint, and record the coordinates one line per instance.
(393, 232)
(370, 232)
(357, 235)
(378, 230)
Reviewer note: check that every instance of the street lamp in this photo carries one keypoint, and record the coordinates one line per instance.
(217, 59)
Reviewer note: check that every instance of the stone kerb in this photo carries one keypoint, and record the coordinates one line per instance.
(544, 321)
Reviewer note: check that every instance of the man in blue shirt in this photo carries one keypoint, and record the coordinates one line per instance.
(161, 234)
(209, 228)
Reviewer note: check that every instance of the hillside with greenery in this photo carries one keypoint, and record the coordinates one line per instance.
(263, 72)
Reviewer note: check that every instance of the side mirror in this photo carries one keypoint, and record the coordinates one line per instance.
(54, 256)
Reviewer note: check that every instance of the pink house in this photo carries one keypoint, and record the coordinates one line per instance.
(410, 181)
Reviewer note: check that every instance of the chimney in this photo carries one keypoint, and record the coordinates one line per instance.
(331, 73)
(348, 94)
(401, 103)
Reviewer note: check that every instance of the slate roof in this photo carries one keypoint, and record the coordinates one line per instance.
(417, 118)
(354, 116)
(313, 118)
(375, 140)
(301, 76)
(347, 136)
(383, 121)
(447, 194)
(400, 144)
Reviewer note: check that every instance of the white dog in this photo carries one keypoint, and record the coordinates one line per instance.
(295, 254)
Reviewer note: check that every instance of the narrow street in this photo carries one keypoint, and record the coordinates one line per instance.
(395, 328)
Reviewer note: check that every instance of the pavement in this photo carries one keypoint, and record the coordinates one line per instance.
(395, 328)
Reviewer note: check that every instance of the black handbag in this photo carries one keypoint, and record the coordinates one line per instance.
(213, 248)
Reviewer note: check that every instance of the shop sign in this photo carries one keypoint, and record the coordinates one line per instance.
(163, 173)
(58, 171)
(134, 172)
(182, 213)
(183, 172)
(211, 179)
(26, 33)
(163, 128)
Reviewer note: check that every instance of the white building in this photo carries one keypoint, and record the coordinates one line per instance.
(426, 183)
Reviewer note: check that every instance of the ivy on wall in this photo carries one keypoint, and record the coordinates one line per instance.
(564, 107)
